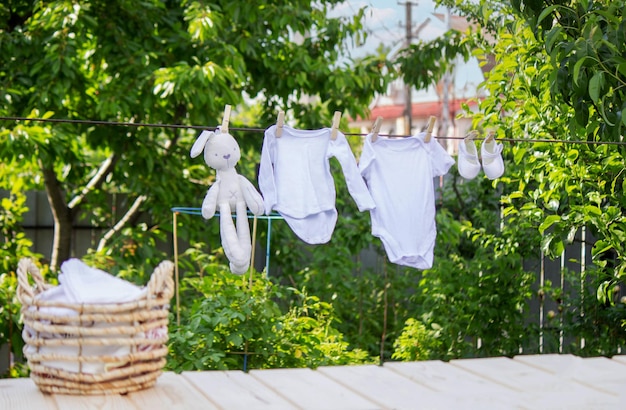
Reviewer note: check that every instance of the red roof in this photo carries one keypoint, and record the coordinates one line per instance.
(424, 109)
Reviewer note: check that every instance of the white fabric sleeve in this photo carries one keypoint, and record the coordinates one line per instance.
(440, 160)
(340, 149)
(267, 184)
(367, 157)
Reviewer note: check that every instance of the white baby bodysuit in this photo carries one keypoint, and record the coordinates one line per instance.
(295, 180)
(399, 173)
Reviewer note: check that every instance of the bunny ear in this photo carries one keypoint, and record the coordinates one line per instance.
(198, 146)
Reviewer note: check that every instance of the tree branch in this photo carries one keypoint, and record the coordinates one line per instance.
(54, 190)
(105, 169)
(459, 198)
(120, 224)
(133, 211)
(62, 215)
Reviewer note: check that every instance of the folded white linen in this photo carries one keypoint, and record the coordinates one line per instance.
(84, 284)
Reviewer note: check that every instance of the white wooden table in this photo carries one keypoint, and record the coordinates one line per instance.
(524, 382)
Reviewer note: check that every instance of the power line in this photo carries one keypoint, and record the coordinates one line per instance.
(381, 22)
(100, 122)
(262, 130)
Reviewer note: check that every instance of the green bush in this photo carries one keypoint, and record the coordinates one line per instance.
(416, 342)
(13, 246)
(232, 322)
(10, 327)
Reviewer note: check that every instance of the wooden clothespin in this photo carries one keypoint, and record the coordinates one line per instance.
(225, 119)
(490, 136)
(471, 135)
(280, 121)
(431, 126)
(335, 127)
(376, 128)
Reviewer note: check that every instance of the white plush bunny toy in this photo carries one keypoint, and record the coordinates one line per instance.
(230, 191)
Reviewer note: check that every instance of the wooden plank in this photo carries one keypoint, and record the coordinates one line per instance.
(603, 374)
(441, 376)
(16, 394)
(102, 402)
(390, 390)
(619, 359)
(169, 393)
(310, 389)
(599, 373)
(508, 372)
(542, 389)
(172, 392)
(465, 389)
(236, 390)
(551, 363)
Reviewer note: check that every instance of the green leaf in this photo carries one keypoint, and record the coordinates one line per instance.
(546, 243)
(584, 4)
(600, 247)
(571, 235)
(552, 37)
(593, 210)
(572, 154)
(577, 67)
(595, 86)
(519, 154)
(582, 112)
(557, 248)
(548, 222)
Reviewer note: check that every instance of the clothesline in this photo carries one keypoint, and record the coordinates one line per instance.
(244, 129)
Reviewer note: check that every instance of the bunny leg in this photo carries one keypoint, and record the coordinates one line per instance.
(239, 257)
(243, 228)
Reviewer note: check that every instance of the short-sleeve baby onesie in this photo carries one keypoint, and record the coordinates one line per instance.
(295, 180)
(399, 174)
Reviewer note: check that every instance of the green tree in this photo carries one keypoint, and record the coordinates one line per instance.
(565, 81)
(158, 62)
(559, 81)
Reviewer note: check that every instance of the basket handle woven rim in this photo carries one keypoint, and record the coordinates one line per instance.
(161, 283)
(25, 291)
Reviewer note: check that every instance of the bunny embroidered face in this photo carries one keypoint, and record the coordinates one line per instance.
(221, 151)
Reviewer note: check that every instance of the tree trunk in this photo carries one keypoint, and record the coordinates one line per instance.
(63, 219)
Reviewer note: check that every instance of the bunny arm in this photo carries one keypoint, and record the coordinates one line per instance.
(209, 204)
(253, 199)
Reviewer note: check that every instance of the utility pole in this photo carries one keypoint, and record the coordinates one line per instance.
(408, 107)
(447, 80)
(410, 34)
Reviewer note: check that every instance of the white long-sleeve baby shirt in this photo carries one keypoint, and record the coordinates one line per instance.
(399, 173)
(295, 180)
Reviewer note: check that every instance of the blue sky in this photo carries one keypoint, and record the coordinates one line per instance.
(385, 21)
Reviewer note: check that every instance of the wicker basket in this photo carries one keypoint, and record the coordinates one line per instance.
(136, 331)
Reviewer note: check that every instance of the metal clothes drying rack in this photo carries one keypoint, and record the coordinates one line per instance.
(198, 211)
